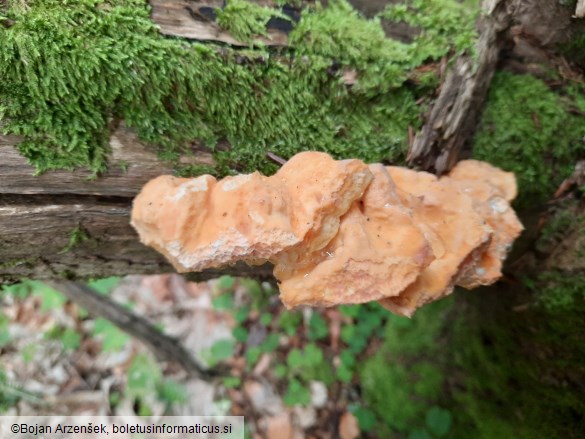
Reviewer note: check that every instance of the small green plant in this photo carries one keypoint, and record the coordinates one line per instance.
(220, 351)
(145, 380)
(50, 298)
(104, 285)
(9, 394)
(69, 338)
(318, 328)
(438, 421)
(403, 379)
(4, 330)
(366, 418)
(77, 236)
(113, 339)
(290, 322)
(224, 301)
(296, 394)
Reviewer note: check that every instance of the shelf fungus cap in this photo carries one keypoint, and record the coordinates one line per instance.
(491, 190)
(504, 182)
(377, 253)
(321, 191)
(453, 228)
(340, 232)
(201, 223)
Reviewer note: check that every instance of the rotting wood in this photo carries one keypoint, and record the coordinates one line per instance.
(580, 9)
(452, 120)
(454, 115)
(195, 20)
(132, 164)
(35, 231)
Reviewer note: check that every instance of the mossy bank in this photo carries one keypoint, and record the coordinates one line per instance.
(71, 70)
(534, 131)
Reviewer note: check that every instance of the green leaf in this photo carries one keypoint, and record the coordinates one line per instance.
(222, 350)
(240, 334)
(348, 333)
(172, 392)
(318, 328)
(231, 382)
(70, 339)
(226, 283)
(20, 290)
(113, 339)
(265, 319)
(344, 373)
(241, 314)
(347, 358)
(271, 343)
(357, 344)
(419, 434)
(4, 329)
(313, 355)
(50, 298)
(28, 352)
(439, 421)
(366, 418)
(223, 301)
(295, 359)
(351, 311)
(289, 321)
(253, 355)
(296, 394)
(279, 371)
(104, 286)
(144, 374)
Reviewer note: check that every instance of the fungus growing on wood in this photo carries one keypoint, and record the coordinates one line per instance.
(340, 232)
(377, 253)
(201, 223)
(454, 230)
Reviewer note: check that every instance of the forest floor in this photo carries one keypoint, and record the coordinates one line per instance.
(291, 374)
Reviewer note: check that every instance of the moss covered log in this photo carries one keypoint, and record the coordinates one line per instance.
(72, 69)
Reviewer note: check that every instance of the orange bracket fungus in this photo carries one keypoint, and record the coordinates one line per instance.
(340, 232)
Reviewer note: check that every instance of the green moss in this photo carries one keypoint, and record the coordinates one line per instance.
(339, 32)
(444, 26)
(560, 291)
(516, 367)
(244, 20)
(575, 49)
(530, 130)
(499, 372)
(404, 378)
(69, 68)
(77, 236)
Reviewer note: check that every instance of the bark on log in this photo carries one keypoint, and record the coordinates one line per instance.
(196, 21)
(537, 28)
(39, 214)
(455, 114)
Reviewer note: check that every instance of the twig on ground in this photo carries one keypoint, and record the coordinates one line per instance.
(163, 346)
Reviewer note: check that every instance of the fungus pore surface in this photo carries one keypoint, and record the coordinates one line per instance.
(340, 232)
